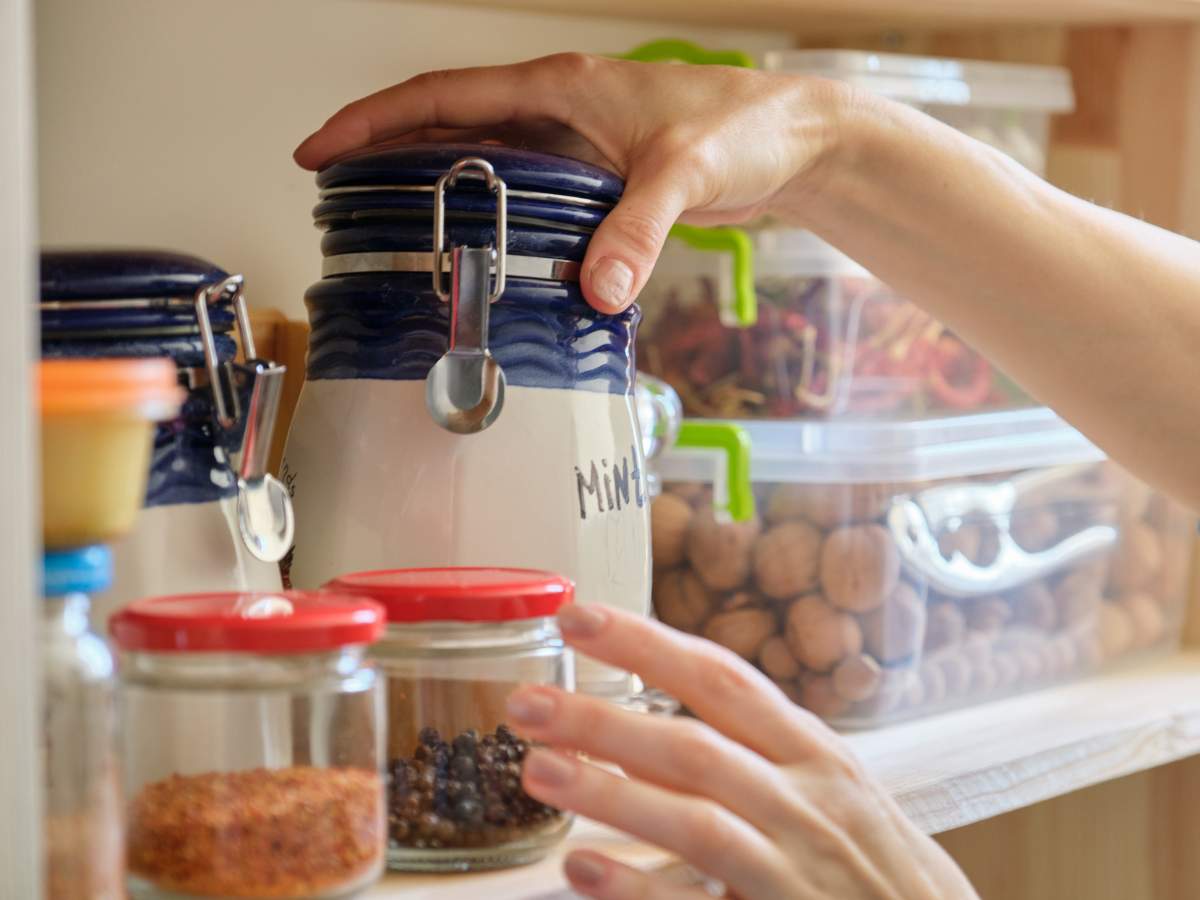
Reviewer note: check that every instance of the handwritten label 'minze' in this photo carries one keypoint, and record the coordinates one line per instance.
(606, 488)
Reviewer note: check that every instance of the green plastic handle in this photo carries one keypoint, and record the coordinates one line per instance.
(740, 248)
(735, 443)
(671, 50)
(733, 241)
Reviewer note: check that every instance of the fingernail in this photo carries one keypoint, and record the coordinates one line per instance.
(612, 282)
(584, 869)
(581, 621)
(548, 768)
(530, 707)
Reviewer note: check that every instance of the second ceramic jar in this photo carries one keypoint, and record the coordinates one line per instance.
(414, 444)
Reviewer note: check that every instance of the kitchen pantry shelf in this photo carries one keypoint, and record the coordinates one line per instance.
(804, 14)
(946, 771)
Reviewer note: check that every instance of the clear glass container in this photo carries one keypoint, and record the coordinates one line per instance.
(253, 735)
(458, 642)
(82, 799)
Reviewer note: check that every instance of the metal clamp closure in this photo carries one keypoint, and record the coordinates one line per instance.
(472, 167)
(220, 375)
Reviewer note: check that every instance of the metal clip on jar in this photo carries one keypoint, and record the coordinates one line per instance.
(458, 642)
(208, 468)
(464, 405)
(253, 736)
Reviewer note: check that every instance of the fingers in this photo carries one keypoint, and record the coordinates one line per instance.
(719, 687)
(629, 240)
(705, 834)
(458, 98)
(676, 753)
(595, 875)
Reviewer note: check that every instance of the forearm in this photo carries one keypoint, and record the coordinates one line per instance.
(1094, 313)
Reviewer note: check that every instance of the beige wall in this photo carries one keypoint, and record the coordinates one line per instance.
(169, 122)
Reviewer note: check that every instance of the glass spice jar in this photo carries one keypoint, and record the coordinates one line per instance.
(253, 736)
(458, 642)
(82, 787)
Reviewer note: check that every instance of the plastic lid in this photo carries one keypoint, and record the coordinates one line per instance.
(86, 570)
(461, 594)
(839, 452)
(940, 82)
(261, 622)
(417, 164)
(143, 387)
(123, 274)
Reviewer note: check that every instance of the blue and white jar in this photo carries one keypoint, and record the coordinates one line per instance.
(557, 480)
(133, 303)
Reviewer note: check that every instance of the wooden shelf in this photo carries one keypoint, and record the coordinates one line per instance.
(946, 771)
(794, 15)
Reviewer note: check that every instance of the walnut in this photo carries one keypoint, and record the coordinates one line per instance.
(1114, 628)
(720, 551)
(946, 626)
(818, 635)
(860, 567)
(785, 560)
(791, 690)
(957, 669)
(1146, 616)
(740, 600)
(1137, 558)
(979, 542)
(1036, 529)
(1034, 606)
(1078, 597)
(893, 691)
(818, 697)
(743, 631)
(670, 517)
(857, 678)
(776, 659)
(896, 630)
(988, 614)
(829, 505)
(681, 600)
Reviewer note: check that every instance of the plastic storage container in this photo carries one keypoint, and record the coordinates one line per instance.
(82, 804)
(415, 446)
(253, 734)
(1006, 105)
(830, 341)
(212, 518)
(458, 642)
(905, 568)
(97, 427)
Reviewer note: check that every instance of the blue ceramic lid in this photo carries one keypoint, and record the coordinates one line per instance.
(522, 170)
(121, 274)
(86, 570)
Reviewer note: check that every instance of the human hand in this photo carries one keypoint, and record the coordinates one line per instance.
(759, 794)
(713, 144)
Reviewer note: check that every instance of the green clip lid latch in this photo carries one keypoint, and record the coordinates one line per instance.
(734, 443)
(739, 307)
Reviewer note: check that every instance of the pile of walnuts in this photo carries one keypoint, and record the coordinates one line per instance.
(814, 593)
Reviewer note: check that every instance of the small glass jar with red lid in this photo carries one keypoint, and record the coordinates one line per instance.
(458, 642)
(253, 738)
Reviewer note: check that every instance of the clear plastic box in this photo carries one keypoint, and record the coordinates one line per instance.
(897, 570)
(1005, 105)
(831, 341)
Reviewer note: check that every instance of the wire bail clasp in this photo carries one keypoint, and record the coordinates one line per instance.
(470, 167)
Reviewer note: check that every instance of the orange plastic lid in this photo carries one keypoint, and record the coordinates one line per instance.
(143, 387)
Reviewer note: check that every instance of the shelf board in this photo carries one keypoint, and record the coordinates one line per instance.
(796, 15)
(946, 771)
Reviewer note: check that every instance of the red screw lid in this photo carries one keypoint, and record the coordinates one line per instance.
(262, 622)
(460, 594)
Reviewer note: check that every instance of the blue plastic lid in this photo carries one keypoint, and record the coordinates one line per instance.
(121, 274)
(86, 570)
(524, 170)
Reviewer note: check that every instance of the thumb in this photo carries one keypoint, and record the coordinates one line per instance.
(627, 244)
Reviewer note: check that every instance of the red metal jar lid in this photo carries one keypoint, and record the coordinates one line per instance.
(260, 622)
(460, 594)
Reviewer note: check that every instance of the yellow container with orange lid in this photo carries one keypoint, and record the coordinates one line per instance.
(97, 425)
